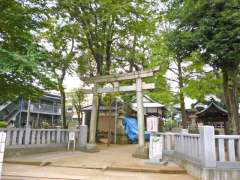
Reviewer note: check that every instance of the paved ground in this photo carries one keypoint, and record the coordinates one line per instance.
(26, 172)
(112, 162)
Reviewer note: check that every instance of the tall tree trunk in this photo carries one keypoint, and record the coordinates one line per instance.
(181, 95)
(230, 85)
(108, 56)
(79, 118)
(63, 104)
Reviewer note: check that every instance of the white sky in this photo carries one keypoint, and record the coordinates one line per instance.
(72, 82)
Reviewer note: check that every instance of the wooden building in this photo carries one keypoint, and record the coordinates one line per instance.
(46, 108)
(213, 115)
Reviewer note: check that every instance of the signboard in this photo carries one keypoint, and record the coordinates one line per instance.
(152, 124)
(71, 136)
(155, 148)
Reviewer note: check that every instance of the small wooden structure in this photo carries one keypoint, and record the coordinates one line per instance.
(107, 118)
(213, 115)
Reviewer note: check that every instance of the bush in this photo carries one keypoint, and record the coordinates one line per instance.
(3, 124)
(169, 124)
(45, 125)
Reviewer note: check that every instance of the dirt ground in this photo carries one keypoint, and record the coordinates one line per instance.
(111, 163)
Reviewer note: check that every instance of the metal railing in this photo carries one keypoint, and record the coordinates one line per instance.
(42, 108)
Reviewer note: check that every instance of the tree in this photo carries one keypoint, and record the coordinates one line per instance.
(22, 61)
(214, 27)
(106, 26)
(182, 69)
(60, 40)
(188, 68)
(77, 100)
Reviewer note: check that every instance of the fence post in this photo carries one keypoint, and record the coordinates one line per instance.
(83, 136)
(183, 131)
(58, 135)
(168, 142)
(207, 146)
(27, 135)
(8, 138)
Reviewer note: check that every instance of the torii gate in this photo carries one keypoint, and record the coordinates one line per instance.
(115, 79)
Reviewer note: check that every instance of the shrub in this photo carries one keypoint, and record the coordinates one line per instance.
(45, 125)
(3, 124)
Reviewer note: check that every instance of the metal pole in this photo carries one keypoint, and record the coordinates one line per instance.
(28, 113)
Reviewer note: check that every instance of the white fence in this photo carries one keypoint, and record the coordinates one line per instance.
(2, 149)
(206, 149)
(27, 137)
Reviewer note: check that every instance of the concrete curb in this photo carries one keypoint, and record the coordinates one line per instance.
(148, 170)
(32, 163)
(19, 177)
(164, 170)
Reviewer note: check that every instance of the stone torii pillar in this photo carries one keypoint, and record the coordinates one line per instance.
(93, 122)
(140, 113)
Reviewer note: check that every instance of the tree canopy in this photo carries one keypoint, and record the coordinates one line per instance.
(213, 28)
(22, 64)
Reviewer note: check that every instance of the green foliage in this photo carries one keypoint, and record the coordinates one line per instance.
(3, 124)
(109, 98)
(45, 125)
(175, 49)
(22, 63)
(77, 96)
(113, 34)
(209, 84)
(216, 29)
(77, 99)
(169, 124)
(213, 28)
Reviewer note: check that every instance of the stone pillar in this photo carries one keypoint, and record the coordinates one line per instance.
(93, 122)
(182, 148)
(140, 113)
(83, 136)
(27, 135)
(193, 129)
(207, 145)
(141, 151)
(58, 138)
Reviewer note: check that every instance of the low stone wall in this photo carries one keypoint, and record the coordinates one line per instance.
(197, 171)
(32, 150)
(17, 138)
(205, 156)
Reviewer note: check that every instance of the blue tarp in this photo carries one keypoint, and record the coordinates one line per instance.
(131, 128)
